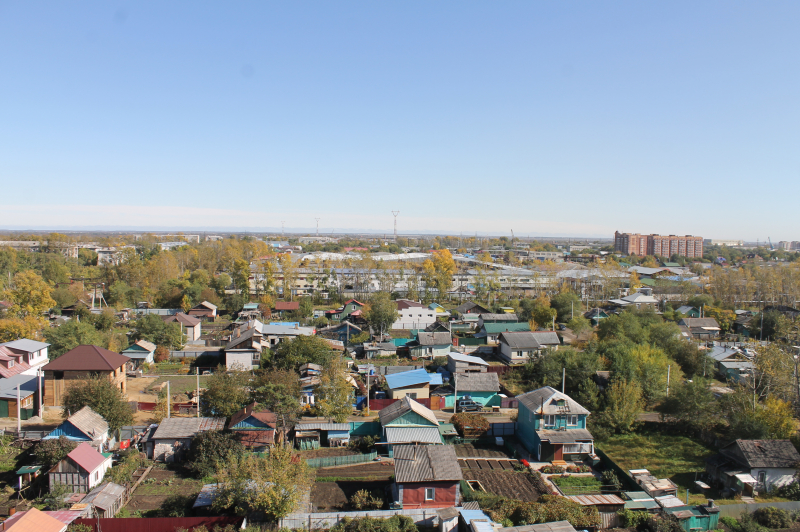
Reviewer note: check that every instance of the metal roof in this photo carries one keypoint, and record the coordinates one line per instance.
(434, 338)
(496, 328)
(520, 340)
(34, 519)
(397, 435)
(89, 422)
(28, 384)
(87, 457)
(555, 526)
(87, 358)
(564, 436)
(187, 427)
(403, 406)
(669, 501)
(322, 426)
(206, 496)
(410, 378)
(23, 344)
(467, 358)
(424, 463)
(596, 500)
(105, 495)
(477, 382)
(545, 401)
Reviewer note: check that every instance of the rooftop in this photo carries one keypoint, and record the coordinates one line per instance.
(87, 358)
(426, 463)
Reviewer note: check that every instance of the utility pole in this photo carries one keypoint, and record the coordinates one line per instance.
(317, 219)
(395, 213)
(198, 392)
(669, 368)
(169, 407)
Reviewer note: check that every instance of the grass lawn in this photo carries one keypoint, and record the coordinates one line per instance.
(180, 384)
(577, 485)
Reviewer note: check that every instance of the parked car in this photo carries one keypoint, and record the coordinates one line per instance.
(468, 405)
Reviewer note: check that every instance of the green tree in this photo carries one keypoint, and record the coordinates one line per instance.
(623, 402)
(381, 312)
(579, 325)
(273, 484)
(567, 305)
(226, 393)
(769, 325)
(17, 328)
(211, 450)
(438, 272)
(102, 396)
(279, 392)
(50, 452)
(691, 404)
(152, 328)
(291, 354)
(71, 335)
(334, 392)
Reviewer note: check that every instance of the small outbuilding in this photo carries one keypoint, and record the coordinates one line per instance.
(173, 437)
(82, 469)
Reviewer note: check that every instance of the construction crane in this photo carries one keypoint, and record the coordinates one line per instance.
(771, 247)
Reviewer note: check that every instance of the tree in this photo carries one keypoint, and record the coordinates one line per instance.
(692, 405)
(769, 325)
(381, 312)
(102, 396)
(623, 402)
(16, 328)
(334, 392)
(211, 450)
(438, 272)
(29, 296)
(71, 335)
(161, 354)
(274, 484)
(279, 392)
(567, 304)
(226, 393)
(153, 329)
(291, 354)
(52, 451)
(579, 325)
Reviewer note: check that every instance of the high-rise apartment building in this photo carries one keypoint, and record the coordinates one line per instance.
(662, 246)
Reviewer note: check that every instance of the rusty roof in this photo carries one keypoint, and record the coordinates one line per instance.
(596, 500)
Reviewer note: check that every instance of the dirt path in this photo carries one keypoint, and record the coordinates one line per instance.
(136, 389)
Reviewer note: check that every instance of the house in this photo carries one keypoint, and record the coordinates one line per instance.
(431, 344)
(640, 300)
(552, 426)
(735, 370)
(519, 347)
(748, 466)
(28, 396)
(34, 353)
(595, 315)
(78, 364)
(33, 520)
(82, 469)
(688, 311)
(701, 328)
(413, 315)
(503, 317)
(426, 476)
(256, 430)
(316, 435)
(344, 312)
(342, 331)
(12, 363)
(470, 307)
(205, 311)
(406, 421)
(492, 331)
(414, 384)
(106, 500)
(458, 363)
(141, 352)
(286, 306)
(173, 437)
(190, 325)
(85, 425)
(608, 506)
(379, 349)
(480, 387)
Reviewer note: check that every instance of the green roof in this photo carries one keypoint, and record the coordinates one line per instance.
(495, 328)
(672, 265)
(29, 469)
(647, 282)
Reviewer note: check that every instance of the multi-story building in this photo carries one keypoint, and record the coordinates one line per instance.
(662, 246)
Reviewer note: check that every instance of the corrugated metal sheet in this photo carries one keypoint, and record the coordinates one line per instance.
(597, 500)
(555, 526)
(105, 496)
(157, 524)
(413, 435)
(409, 378)
(187, 427)
(323, 426)
(413, 463)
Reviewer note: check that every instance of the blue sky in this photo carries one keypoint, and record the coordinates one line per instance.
(548, 118)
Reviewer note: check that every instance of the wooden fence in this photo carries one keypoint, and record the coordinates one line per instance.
(330, 461)
(422, 516)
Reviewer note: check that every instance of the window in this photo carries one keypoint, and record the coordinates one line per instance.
(412, 395)
(430, 494)
(572, 420)
(762, 477)
(549, 420)
(10, 363)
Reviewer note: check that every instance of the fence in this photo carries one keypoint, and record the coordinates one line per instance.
(194, 354)
(622, 475)
(26, 434)
(422, 516)
(157, 524)
(365, 428)
(509, 402)
(330, 461)
(735, 510)
(502, 370)
(501, 429)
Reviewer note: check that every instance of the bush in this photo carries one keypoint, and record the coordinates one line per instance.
(50, 452)
(364, 444)
(364, 500)
(582, 468)
(729, 522)
(440, 362)
(633, 519)
(397, 523)
(161, 354)
(790, 491)
(474, 423)
(552, 470)
(611, 480)
(772, 517)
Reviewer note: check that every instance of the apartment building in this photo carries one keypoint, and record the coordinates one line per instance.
(662, 246)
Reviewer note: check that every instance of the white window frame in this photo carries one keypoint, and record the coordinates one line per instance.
(572, 420)
(432, 492)
(549, 417)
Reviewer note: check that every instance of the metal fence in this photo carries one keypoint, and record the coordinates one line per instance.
(735, 510)
(330, 461)
(501, 429)
(317, 521)
(194, 354)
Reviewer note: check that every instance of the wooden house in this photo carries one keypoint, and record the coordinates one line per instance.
(701, 328)
(458, 363)
(552, 426)
(190, 325)
(315, 435)
(256, 429)
(431, 344)
(426, 476)
(748, 466)
(28, 396)
(82, 469)
(408, 422)
(205, 311)
(85, 425)
(470, 307)
(141, 352)
(519, 347)
(482, 388)
(81, 363)
(173, 437)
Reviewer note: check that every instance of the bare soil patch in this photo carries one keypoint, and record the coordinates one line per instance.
(160, 485)
(323, 453)
(506, 483)
(472, 450)
(371, 470)
(327, 496)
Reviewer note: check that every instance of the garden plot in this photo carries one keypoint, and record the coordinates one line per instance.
(509, 484)
(335, 485)
(473, 450)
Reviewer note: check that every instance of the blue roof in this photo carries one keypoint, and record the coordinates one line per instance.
(410, 378)
(469, 515)
(250, 306)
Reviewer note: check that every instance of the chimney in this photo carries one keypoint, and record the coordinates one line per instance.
(710, 503)
(238, 333)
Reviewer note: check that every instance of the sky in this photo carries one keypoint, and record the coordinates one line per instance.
(546, 118)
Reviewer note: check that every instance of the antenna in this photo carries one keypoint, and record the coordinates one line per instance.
(282, 222)
(317, 219)
(395, 213)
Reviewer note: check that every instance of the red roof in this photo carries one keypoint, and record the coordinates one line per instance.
(87, 358)
(87, 457)
(7, 355)
(407, 303)
(356, 301)
(287, 305)
(265, 416)
(180, 317)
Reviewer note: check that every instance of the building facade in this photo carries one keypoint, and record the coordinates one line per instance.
(662, 246)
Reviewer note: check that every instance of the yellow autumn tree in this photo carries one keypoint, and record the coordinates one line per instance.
(29, 295)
